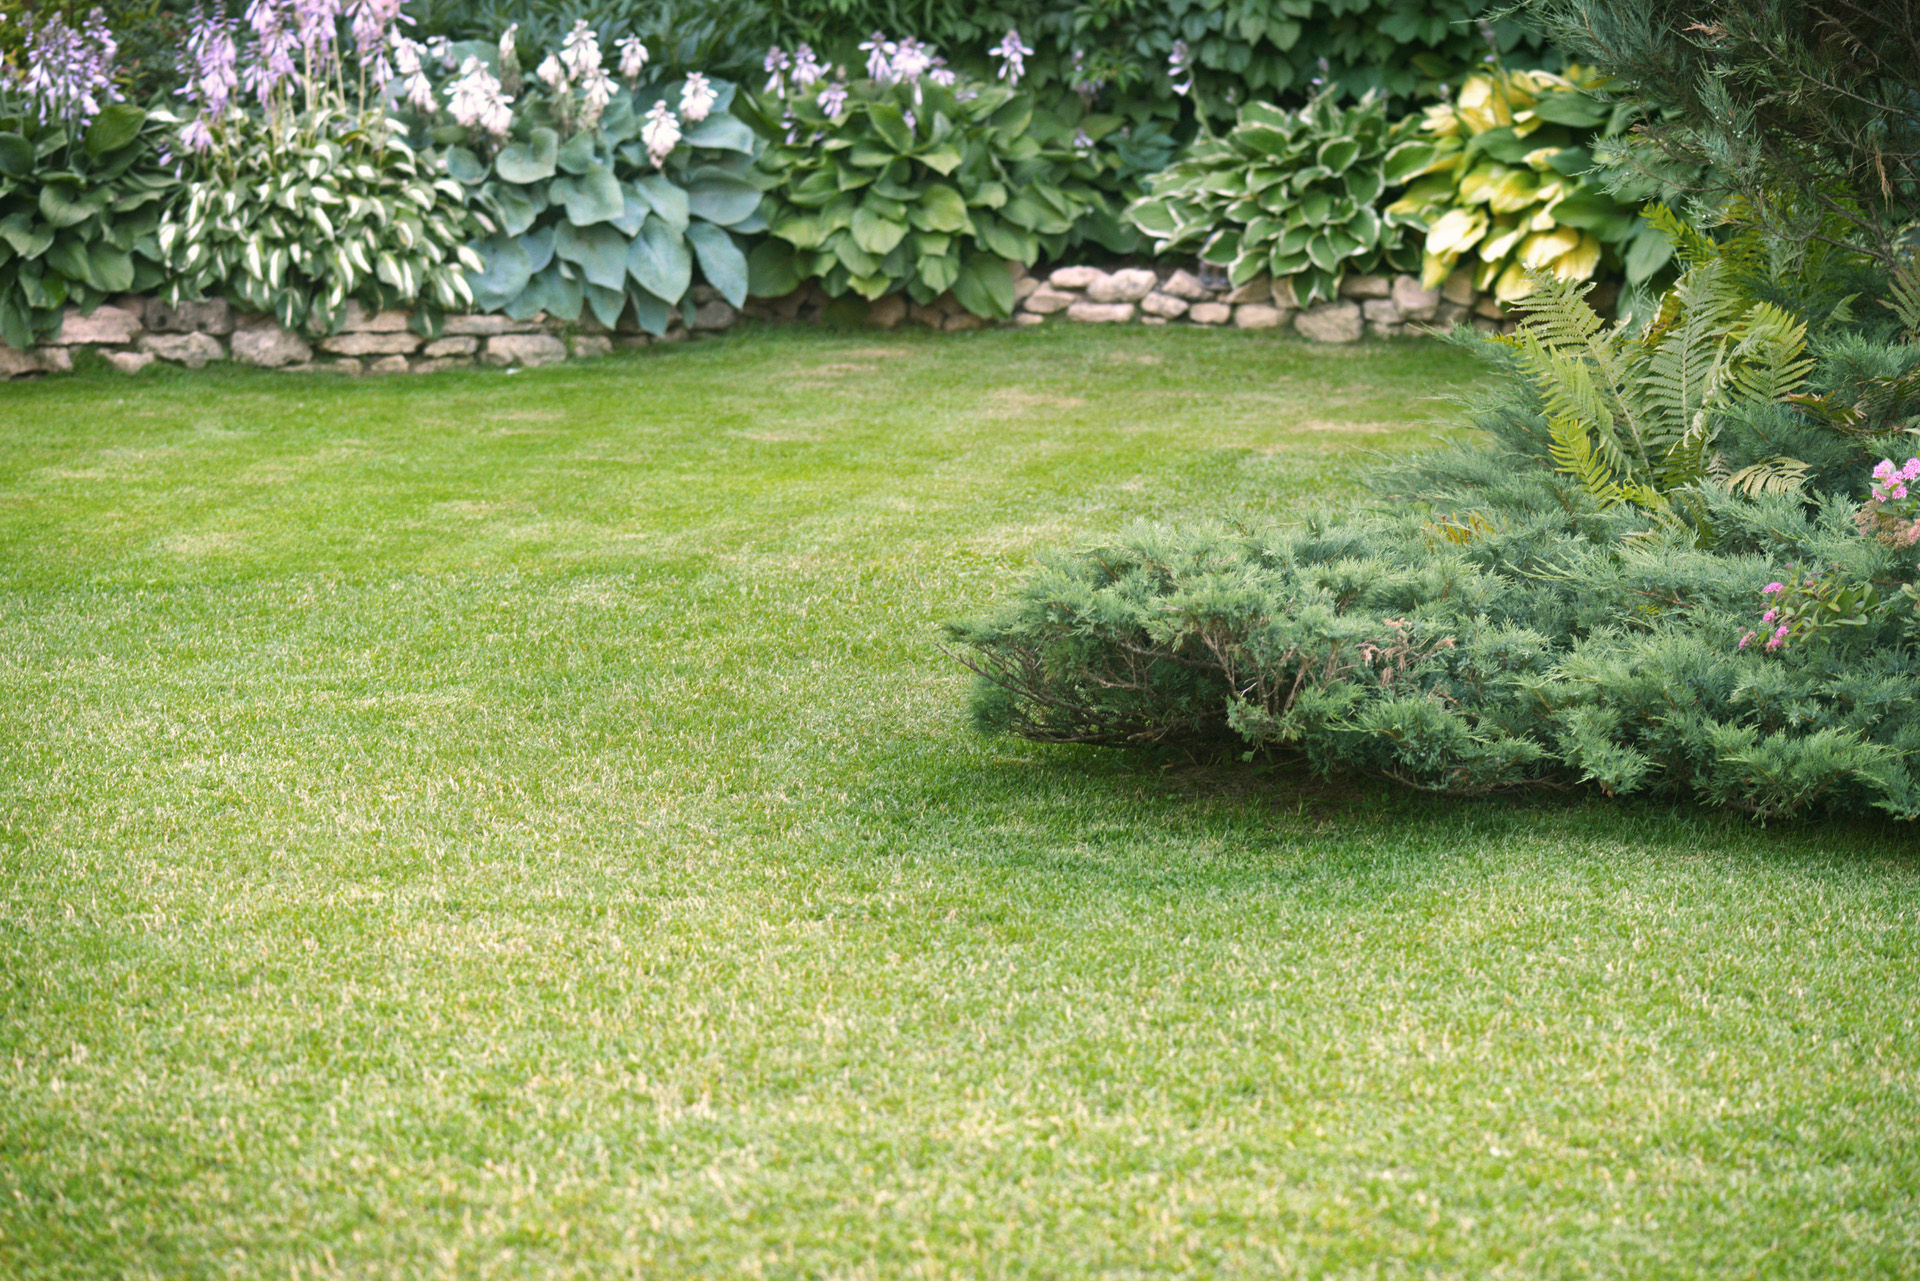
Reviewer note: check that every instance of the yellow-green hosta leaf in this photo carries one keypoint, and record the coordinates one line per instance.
(1580, 262)
(1480, 182)
(1501, 240)
(1456, 230)
(1542, 248)
(1514, 192)
(1513, 284)
(1435, 268)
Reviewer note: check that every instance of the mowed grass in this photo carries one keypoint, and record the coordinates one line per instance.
(523, 826)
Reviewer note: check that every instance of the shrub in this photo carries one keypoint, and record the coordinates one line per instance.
(604, 194)
(81, 185)
(914, 179)
(1289, 192)
(1491, 622)
(1505, 183)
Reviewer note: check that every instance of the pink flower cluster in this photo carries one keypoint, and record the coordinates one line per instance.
(1891, 513)
(1890, 482)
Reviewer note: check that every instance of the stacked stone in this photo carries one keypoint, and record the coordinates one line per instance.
(132, 332)
(808, 306)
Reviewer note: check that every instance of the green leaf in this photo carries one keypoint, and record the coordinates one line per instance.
(943, 159)
(465, 167)
(874, 233)
(1575, 109)
(16, 155)
(940, 209)
(529, 161)
(984, 288)
(117, 125)
(668, 201)
(653, 313)
(576, 154)
(109, 270)
(595, 196)
(607, 304)
(1408, 159)
(600, 252)
(938, 272)
(658, 259)
(723, 133)
(29, 237)
(770, 270)
(891, 126)
(507, 270)
(721, 261)
(1337, 153)
(721, 197)
(61, 205)
(1649, 252)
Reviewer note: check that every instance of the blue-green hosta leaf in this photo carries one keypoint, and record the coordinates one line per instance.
(984, 288)
(465, 167)
(659, 261)
(607, 304)
(669, 202)
(721, 261)
(594, 196)
(770, 270)
(720, 197)
(723, 133)
(636, 211)
(505, 275)
(600, 251)
(654, 314)
(1648, 252)
(539, 246)
(576, 154)
(874, 233)
(531, 160)
(802, 231)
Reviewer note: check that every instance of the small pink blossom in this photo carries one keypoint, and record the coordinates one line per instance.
(1771, 588)
(1778, 639)
(1744, 640)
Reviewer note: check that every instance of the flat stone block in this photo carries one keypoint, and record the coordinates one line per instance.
(887, 312)
(1365, 287)
(1101, 313)
(129, 362)
(1129, 285)
(460, 345)
(1259, 289)
(1046, 300)
(359, 321)
(1184, 284)
(106, 324)
(440, 364)
(962, 322)
(194, 351)
(269, 346)
(210, 316)
(1026, 320)
(1375, 330)
(487, 326)
(527, 349)
(379, 342)
(1163, 306)
(1381, 311)
(714, 314)
(1024, 288)
(1258, 315)
(1209, 313)
(1336, 322)
(1458, 288)
(1074, 277)
(589, 346)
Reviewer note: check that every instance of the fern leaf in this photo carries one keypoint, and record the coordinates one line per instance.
(1905, 303)
(1573, 455)
(1770, 359)
(1776, 475)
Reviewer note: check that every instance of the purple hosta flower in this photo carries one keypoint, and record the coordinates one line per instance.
(69, 72)
(633, 59)
(580, 51)
(198, 135)
(661, 133)
(1180, 68)
(275, 43)
(908, 117)
(879, 51)
(211, 67)
(910, 61)
(1013, 55)
(475, 99)
(1081, 142)
(792, 124)
(697, 97)
(942, 76)
(370, 21)
(808, 70)
(775, 65)
(317, 24)
(833, 99)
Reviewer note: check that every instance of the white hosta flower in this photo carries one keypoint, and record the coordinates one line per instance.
(441, 49)
(580, 51)
(879, 51)
(633, 58)
(661, 133)
(596, 91)
(911, 60)
(406, 55)
(552, 74)
(508, 52)
(911, 122)
(475, 100)
(697, 97)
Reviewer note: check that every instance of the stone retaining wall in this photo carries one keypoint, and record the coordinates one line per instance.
(131, 333)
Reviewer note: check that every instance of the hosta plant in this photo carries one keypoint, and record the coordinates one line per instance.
(79, 206)
(81, 183)
(310, 195)
(606, 192)
(296, 222)
(1501, 193)
(1293, 193)
(914, 179)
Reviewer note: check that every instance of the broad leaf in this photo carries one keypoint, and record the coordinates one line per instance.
(721, 197)
(117, 125)
(770, 270)
(874, 233)
(658, 260)
(531, 160)
(594, 196)
(940, 209)
(984, 288)
(508, 268)
(721, 261)
(600, 251)
(668, 201)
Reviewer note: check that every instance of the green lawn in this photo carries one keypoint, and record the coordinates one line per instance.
(522, 825)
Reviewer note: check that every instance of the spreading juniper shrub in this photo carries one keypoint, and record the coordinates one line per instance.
(1665, 567)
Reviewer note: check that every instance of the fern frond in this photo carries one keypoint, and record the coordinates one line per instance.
(1563, 324)
(1770, 360)
(1686, 371)
(1905, 303)
(1776, 475)
(1566, 384)
(1690, 244)
(1574, 455)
